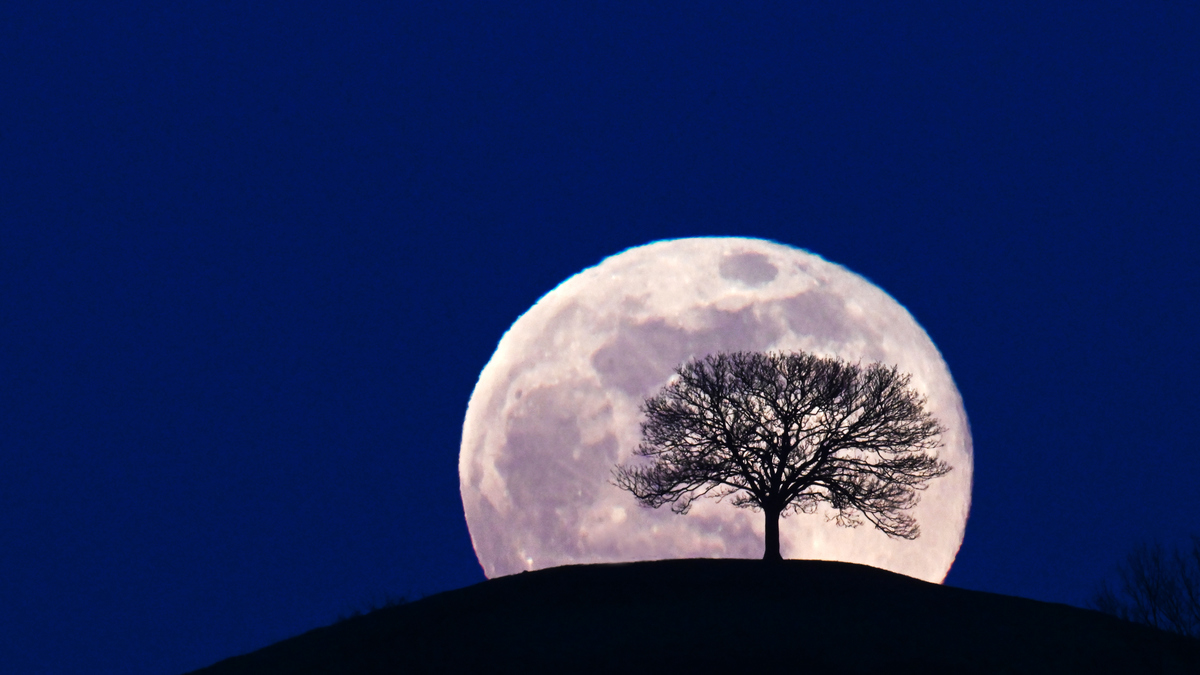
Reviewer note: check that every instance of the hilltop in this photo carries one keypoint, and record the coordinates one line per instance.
(740, 615)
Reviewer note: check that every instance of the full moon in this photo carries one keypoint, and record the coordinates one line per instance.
(557, 407)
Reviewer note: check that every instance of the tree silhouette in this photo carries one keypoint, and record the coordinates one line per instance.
(784, 432)
(1156, 587)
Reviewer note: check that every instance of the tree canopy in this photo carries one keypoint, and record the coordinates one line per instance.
(784, 433)
(1157, 587)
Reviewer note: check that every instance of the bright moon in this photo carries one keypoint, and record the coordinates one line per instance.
(557, 407)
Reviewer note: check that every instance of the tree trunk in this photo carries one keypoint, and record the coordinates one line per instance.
(771, 552)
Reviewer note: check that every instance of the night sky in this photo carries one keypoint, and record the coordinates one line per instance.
(253, 259)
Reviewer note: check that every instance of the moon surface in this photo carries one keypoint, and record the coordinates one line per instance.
(557, 407)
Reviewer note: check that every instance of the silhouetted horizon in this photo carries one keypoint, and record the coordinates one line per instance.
(809, 615)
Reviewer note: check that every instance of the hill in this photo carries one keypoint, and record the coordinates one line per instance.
(741, 615)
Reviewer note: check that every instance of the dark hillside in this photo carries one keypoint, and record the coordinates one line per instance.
(744, 615)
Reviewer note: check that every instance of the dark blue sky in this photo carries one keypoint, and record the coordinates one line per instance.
(253, 259)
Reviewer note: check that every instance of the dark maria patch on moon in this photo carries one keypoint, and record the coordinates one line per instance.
(550, 472)
(753, 269)
(824, 316)
(643, 355)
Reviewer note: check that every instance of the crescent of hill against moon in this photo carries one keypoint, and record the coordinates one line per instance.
(557, 407)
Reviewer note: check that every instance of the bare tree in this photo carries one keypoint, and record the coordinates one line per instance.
(784, 433)
(1156, 587)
